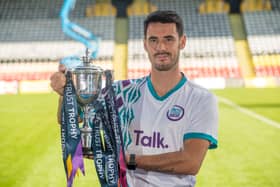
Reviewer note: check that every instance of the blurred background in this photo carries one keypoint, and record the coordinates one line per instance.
(231, 43)
(233, 48)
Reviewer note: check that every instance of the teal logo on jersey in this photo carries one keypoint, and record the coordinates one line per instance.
(175, 113)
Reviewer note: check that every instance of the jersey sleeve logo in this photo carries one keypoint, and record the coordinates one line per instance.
(175, 113)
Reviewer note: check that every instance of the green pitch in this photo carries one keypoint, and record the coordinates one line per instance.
(248, 152)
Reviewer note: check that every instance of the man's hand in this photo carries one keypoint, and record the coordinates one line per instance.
(58, 80)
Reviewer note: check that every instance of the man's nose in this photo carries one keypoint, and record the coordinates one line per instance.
(161, 46)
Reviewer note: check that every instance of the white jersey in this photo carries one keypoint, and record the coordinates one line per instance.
(153, 125)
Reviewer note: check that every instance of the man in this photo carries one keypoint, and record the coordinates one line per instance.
(168, 123)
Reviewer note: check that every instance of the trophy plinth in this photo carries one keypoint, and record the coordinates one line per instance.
(87, 80)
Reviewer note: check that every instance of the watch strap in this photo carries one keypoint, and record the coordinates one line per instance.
(131, 165)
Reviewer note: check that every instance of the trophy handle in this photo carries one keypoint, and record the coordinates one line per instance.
(109, 77)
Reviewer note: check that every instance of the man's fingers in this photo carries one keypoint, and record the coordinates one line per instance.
(61, 68)
(58, 81)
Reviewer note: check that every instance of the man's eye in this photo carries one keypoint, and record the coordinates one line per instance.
(153, 40)
(169, 39)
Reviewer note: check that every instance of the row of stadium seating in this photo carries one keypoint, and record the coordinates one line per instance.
(50, 29)
(36, 70)
(27, 70)
(44, 39)
(34, 9)
(19, 76)
(181, 6)
(264, 44)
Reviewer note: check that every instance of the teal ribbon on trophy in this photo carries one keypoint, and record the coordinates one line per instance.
(107, 140)
(70, 133)
(115, 127)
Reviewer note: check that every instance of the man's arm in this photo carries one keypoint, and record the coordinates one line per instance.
(187, 161)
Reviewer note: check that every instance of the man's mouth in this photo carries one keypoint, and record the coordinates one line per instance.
(161, 56)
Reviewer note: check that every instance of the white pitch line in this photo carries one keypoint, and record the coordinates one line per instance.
(249, 112)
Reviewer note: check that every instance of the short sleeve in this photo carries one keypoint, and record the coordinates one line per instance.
(204, 119)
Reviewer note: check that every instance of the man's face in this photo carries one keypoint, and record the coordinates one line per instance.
(163, 45)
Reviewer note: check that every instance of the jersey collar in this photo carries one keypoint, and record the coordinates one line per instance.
(161, 98)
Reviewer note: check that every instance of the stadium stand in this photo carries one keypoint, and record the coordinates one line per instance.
(31, 33)
(32, 42)
(263, 35)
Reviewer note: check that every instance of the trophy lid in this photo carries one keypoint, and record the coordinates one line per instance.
(86, 66)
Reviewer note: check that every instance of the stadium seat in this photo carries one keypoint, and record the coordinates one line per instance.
(138, 8)
(214, 6)
(255, 5)
(101, 9)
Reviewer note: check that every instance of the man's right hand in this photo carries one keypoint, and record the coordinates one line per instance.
(58, 80)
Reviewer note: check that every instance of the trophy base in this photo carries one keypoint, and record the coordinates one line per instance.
(87, 152)
(86, 135)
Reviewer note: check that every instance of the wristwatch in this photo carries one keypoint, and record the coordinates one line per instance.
(131, 165)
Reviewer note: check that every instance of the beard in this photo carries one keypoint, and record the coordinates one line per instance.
(162, 66)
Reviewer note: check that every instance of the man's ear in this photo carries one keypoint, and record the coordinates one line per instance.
(183, 41)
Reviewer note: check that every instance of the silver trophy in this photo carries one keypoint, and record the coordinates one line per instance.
(87, 80)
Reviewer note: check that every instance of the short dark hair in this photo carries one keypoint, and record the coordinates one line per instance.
(164, 16)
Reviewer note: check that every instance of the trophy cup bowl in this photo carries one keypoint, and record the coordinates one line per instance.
(87, 80)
